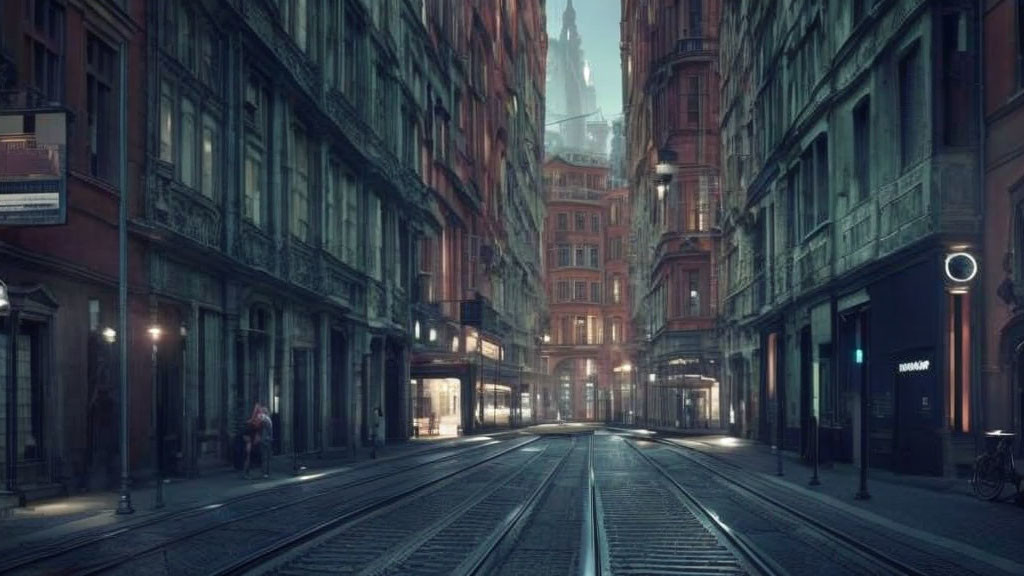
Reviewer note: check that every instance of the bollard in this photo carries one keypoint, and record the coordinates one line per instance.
(814, 479)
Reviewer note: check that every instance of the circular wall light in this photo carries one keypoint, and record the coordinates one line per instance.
(961, 267)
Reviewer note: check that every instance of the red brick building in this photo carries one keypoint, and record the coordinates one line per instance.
(63, 279)
(671, 102)
(1002, 262)
(585, 237)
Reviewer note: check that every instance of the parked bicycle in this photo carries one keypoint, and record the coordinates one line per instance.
(996, 467)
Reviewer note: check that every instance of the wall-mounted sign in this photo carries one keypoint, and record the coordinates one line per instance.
(961, 267)
(915, 366)
(33, 168)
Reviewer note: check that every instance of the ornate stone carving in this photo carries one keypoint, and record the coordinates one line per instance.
(186, 213)
(180, 280)
(292, 58)
(302, 269)
(255, 248)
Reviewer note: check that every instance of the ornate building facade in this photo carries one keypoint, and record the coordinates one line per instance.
(671, 101)
(849, 142)
(330, 203)
(479, 296)
(588, 334)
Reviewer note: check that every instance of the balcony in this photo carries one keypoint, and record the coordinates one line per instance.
(575, 194)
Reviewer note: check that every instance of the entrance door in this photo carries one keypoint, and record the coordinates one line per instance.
(170, 401)
(393, 421)
(300, 394)
(338, 396)
(918, 448)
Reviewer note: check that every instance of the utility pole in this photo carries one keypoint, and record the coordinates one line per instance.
(124, 503)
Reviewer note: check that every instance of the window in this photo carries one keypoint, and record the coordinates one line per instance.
(595, 223)
(209, 68)
(616, 330)
(821, 174)
(166, 123)
(300, 186)
(563, 221)
(563, 291)
(209, 157)
(581, 222)
(352, 218)
(299, 23)
(1020, 43)
(580, 255)
(616, 290)
(351, 56)
(564, 334)
(44, 46)
(375, 231)
(616, 248)
(580, 291)
(693, 102)
(581, 330)
(595, 292)
(613, 217)
(693, 282)
(101, 109)
(188, 143)
(695, 19)
(564, 259)
(957, 77)
(594, 260)
(911, 109)
(253, 197)
(186, 40)
(862, 147)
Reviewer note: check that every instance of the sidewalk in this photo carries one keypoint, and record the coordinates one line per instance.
(942, 512)
(70, 516)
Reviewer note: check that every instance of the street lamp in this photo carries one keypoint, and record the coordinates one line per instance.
(109, 335)
(155, 332)
(5, 301)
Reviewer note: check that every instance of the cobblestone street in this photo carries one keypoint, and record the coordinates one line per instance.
(549, 500)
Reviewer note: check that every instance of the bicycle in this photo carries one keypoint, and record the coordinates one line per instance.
(996, 468)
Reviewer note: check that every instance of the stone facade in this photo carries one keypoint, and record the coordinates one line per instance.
(671, 95)
(849, 154)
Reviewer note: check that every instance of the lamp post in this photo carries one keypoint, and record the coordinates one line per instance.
(158, 442)
(124, 503)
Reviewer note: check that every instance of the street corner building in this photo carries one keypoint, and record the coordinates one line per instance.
(672, 168)
(333, 207)
(852, 231)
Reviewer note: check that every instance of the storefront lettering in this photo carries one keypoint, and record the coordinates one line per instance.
(915, 366)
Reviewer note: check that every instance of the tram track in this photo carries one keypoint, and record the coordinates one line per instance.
(113, 550)
(645, 523)
(458, 527)
(871, 558)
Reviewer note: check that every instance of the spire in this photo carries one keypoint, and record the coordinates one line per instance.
(569, 22)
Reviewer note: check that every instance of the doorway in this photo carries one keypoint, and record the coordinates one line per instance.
(338, 387)
(300, 395)
(806, 392)
(170, 399)
(395, 428)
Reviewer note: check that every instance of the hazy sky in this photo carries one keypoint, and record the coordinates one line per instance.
(598, 25)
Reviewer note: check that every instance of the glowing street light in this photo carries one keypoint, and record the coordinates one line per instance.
(5, 301)
(109, 335)
(154, 333)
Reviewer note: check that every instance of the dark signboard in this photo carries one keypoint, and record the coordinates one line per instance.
(33, 168)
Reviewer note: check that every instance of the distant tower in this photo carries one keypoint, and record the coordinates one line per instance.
(570, 95)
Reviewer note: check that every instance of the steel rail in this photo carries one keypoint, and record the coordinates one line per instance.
(756, 558)
(76, 543)
(888, 562)
(483, 557)
(254, 560)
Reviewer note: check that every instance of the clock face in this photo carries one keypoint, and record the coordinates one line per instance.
(961, 267)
